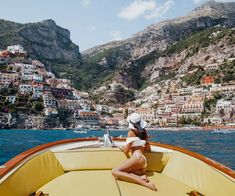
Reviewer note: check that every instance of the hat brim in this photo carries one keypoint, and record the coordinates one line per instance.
(143, 124)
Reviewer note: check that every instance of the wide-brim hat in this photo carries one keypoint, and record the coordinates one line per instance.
(136, 118)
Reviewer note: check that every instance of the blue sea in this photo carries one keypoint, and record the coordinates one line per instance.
(219, 147)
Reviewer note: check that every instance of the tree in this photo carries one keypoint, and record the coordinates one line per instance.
(4, 91)
(222, 112)
(231, 114)
(125, 113)
(37, 107)
(63, 116)
(182, 120)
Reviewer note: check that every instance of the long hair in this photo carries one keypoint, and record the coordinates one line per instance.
(140, 134)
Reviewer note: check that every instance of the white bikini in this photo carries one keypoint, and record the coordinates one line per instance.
(135, 142)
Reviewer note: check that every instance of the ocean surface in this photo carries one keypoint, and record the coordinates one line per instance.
(219, 147)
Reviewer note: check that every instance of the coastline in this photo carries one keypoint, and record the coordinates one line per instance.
(206, 128)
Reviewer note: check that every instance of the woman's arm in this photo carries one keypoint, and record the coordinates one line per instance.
(126, 149)
(147, 145)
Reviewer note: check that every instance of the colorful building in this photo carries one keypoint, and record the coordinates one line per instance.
(207, 80)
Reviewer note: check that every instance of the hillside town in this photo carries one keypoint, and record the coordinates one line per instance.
(32, 97)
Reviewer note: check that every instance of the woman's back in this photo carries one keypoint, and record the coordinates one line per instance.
(138, 141)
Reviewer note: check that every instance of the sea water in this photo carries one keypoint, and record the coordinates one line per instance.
(219, 147)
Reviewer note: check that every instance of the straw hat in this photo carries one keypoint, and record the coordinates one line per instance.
(136, 122)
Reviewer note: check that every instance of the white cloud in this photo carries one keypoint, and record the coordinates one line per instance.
(91, 28)
(161, 10)
(199, 1)
(146, 8)
(116, 35)
(86, 3)
(225, 0)
(136, 9)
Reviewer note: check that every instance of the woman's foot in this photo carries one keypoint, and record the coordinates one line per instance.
(144, 177)
(151, 186)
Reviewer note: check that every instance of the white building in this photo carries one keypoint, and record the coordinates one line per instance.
(7, 78)
(37, 78)
(190, 115)
(198, 91)
(69, 104)
(25, 88)
(84, 95)
(85, 107)
(213, 120)
(76, 94)
(194, 105)
(49, 100)
(37, 90)
(104, 108)
(28, 69)
(50, 111)
(11, 99)
(16, 49)
(38, 64)
(225, 88)
(147, 114)
(223, 105)
(186, 91)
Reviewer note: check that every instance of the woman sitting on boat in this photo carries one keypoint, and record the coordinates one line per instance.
(133, 169)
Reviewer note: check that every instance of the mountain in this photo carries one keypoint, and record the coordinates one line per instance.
(150, 55)
(121, 71)
(44, 41)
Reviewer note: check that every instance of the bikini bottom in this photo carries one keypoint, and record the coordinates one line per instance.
(138, 156)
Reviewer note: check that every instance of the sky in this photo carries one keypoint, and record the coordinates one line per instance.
(95, 22)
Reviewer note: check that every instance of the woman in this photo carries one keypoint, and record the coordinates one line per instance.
(133, 169)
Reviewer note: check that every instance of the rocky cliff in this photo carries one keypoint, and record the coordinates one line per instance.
(157, 53)
(44, 40)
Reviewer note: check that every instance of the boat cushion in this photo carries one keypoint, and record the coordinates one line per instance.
(105, 158)
(202, 177)
(101, 182)
(30, 176)
(78, 183)
(165, 185)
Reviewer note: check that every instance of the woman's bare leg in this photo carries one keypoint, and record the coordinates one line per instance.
(133, 178)
(142, 177)
(139, 172)
(124, 172)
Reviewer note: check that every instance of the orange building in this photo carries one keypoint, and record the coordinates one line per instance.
(207, 80)
(5, 53)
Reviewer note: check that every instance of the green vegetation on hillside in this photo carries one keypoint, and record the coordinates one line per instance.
(224, 74)
(92, 72)
(24, 103)
(201, 39)
(194, 78)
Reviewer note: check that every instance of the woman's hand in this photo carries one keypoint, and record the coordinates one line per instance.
(121, 148)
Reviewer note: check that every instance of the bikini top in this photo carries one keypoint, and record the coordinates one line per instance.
(135, 141)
